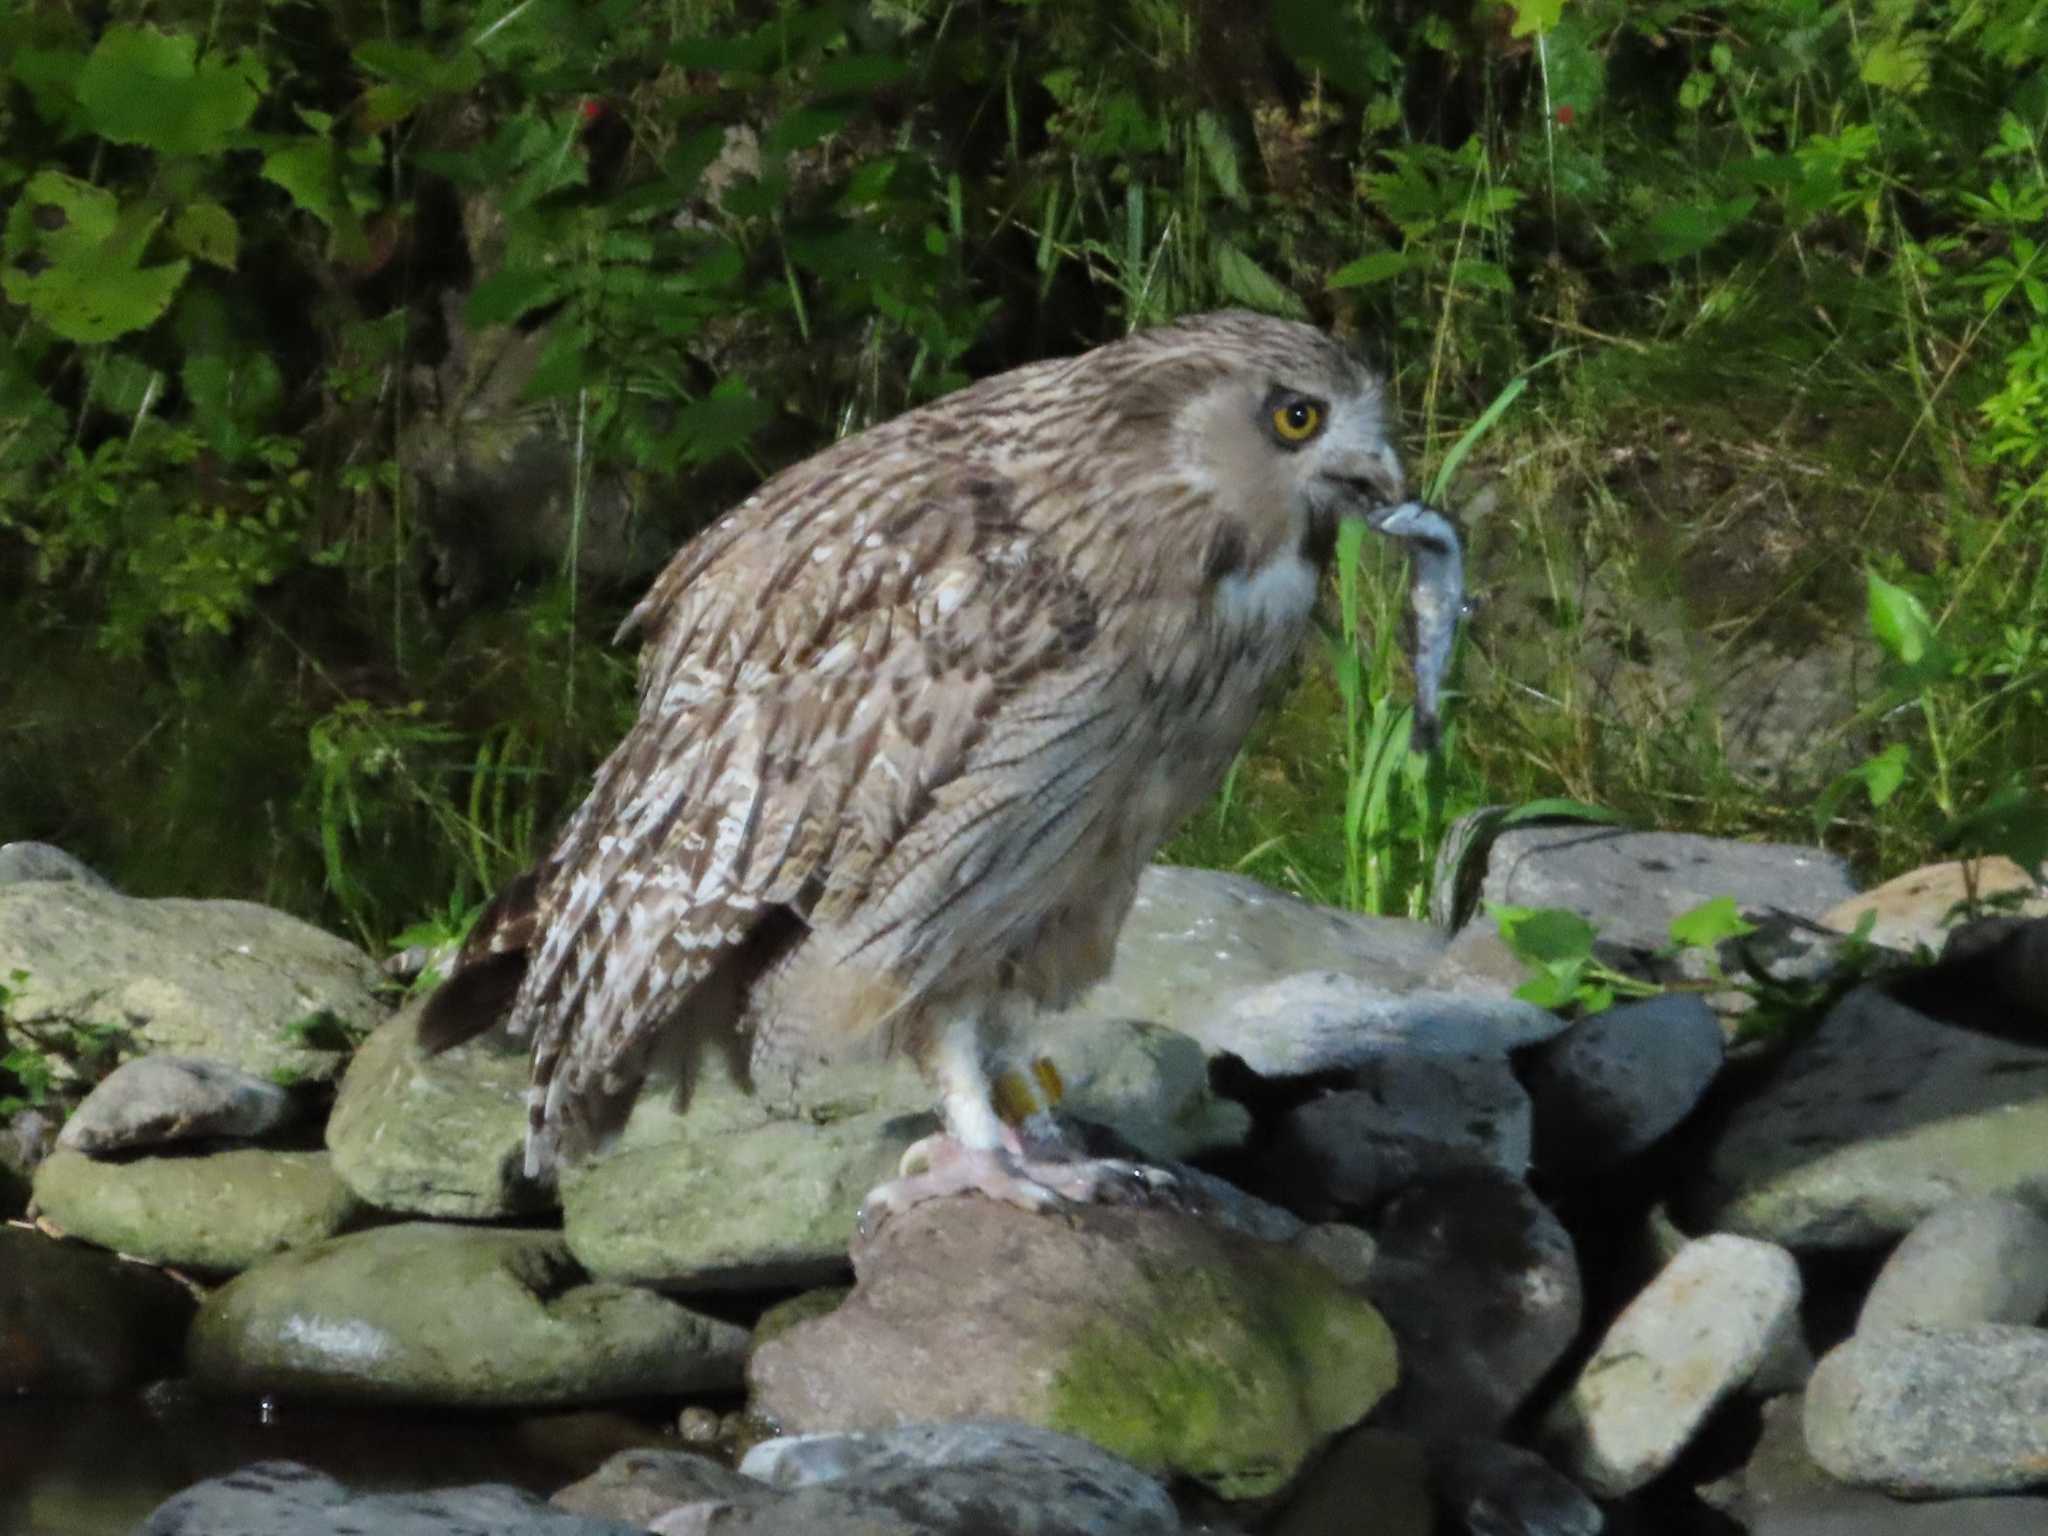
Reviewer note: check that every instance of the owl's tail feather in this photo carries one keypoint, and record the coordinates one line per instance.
(488, 971)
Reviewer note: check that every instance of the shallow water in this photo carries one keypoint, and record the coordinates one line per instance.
(97, 1467)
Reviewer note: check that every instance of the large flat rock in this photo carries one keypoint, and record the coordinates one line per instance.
(228, 980)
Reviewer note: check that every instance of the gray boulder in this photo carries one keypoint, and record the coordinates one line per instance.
(152, 1100)
(216, 1212)
(282, 1498)
(1480, 1284)
(227, 980)
(1975, 1261)
(464, 1316)
(1408, 1117)
(1877, 1119)
(1176, 1345)
(1694, 1335)
(1614, 1083)
(1630, 885)
(1933, 1412)
(689, 1213)
(435, 1135)
(25, 861)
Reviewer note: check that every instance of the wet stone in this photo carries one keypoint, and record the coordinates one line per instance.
(1693, 1336)
(217, 1212)
(466, 1316)
(153, 1100)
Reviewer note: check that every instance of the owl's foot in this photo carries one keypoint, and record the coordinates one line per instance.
(1014, 1173)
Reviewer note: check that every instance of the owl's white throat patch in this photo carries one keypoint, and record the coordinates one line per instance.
(1280, 592)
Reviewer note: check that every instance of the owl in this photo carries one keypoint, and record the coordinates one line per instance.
(912, 720)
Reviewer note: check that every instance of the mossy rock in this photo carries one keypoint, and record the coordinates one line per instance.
(1184, 1347)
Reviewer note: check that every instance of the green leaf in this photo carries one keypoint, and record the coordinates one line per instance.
(1249, 284)
(94, 299)
(1375, 267)
(208, 231)
(50, 76)
(60, 218)
(508, 294)
(1219, 155)
(1331, 41)
(856, 74)
(1482, 274)
(802, 128)
(143, 86)
(310, 174)
(1707, 924)
(1544, 936)
(1898, 64)
(124, 385)
(1677, 233)
(1898, 622)
(2013, 821)
(1535, 16)
(1559, 808)
(1883, 774)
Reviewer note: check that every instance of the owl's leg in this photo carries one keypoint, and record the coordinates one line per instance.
(1026, 1163)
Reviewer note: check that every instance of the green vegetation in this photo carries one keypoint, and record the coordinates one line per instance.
(361, 363)
(44, 1058)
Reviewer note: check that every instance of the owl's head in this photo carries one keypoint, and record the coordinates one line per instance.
(1275, 424)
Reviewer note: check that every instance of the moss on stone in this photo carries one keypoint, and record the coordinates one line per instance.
(1231, 1396)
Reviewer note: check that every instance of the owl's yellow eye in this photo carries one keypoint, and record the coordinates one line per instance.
(1296, 421)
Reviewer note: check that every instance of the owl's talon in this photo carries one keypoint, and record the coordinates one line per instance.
(940, 1166)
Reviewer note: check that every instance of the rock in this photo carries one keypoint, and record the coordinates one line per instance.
(1779, 1469)
(282, 1498)
(227, 980)
(1614, 1083)
(1878, 1118)
(1781, 1492)
(156, 1099)
(1194, 934)
(640, 1486)
(78, 1322)
(919, 1480)
(1928, 1412)
(435, 1135)
(1976, 1261)
(1347, 1252)
(1992, 976)
(1145, 1082)
(1343, 1152)
(1034, 1480)
(1478, 963)
(1853, 1512)
(452, 1315)
(444, 1136)
(23, 862)
(1489, 1486)
(1630, 885)
(1324, 1021)
(1481, 1286)
(1389, 1469)
(218, 1212)
(668, 1215)
(1693, 1336)
(1917, 909)
(1182, 1348)
(25, 1140)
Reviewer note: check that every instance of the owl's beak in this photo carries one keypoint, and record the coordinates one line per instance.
(1370, 483)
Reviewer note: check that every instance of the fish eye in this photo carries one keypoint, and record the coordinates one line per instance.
(1296, 420)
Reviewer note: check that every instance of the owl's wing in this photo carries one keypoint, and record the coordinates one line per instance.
(816, 697)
